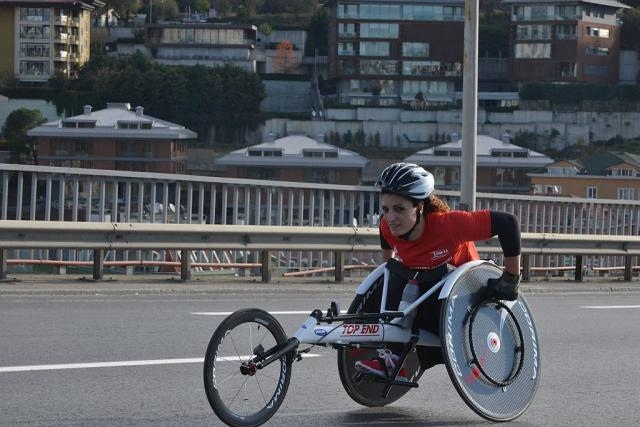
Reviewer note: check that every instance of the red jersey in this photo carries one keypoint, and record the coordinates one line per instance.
(447, 238)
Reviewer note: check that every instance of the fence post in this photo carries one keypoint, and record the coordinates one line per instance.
(265, 259)
(98, 264)
(628, 272)
(524, 265)
(3, 263)
(578, 268)
(339, 257)
(185, 264)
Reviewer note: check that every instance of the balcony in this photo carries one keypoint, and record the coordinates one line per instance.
(67, 21)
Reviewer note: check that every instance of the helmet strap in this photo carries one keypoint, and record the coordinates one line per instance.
(406, 235)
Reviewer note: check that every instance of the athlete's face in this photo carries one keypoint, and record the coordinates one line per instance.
(400, 213)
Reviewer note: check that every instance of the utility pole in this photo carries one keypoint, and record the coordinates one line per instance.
(469, 107)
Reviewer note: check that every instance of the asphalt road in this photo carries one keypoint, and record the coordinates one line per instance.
(589, 364)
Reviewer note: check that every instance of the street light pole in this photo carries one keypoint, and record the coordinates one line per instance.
(469, 107)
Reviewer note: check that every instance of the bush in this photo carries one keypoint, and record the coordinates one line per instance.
(576, 93)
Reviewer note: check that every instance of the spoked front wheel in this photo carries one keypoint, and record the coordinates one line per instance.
(240, 392)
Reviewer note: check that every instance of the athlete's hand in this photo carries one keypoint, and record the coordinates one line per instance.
(505, 287)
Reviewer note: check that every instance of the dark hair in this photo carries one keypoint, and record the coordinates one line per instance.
(431, 204)
(435, 204)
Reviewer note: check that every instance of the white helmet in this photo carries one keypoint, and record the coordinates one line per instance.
(406, 179)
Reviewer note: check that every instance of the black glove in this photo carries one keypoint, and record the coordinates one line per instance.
(505, 287)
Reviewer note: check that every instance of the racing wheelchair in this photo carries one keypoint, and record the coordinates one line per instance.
(489, 347)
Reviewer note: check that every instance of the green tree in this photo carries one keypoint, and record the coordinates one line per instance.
(318, 33)
(162, 9)
(493, 30)
(124, 8)
(630, 30)
(22, 146)
(265, 28)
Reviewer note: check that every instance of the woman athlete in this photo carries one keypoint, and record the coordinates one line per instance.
(419, 234)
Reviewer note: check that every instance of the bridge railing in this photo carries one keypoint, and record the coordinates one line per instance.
(100, 237)
(90, 195)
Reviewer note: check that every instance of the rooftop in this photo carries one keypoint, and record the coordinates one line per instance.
(116, 121)
(490, 152)
(294, 150)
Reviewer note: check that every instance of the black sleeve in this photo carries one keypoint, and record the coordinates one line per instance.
(506, 226)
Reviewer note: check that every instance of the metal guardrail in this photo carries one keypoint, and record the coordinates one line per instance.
(100, 236)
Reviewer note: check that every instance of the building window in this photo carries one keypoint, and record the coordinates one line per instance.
(597, 51)
(414, 49)
(447, 153)
(378, 67)
(347, 11)
(432, 13)
(592, 192)
(623, 172)
(552, 190)
(37, 50)
(82, 148)
(374, 48)
(594, 12)
(35, 32)
(596, 70)
(431, 87)
(321, 154)
(625, 194)
(35, 14)
(566, 12)
(378, 30)
(598, 32)
(533, 32)
(264, 153)
(532, 50)
(431, 68)
(321, 176)
(347, 30)
(566, 32)
(35, 68)
(568, 70)
(347, 66)
(346, 49)
(452, 13)
(379, 11)
(260, 173)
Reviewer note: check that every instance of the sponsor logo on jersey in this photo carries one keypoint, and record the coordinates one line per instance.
(439, 253)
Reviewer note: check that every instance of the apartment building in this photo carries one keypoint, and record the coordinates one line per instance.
(394, 52)
(117, 138)
(40, 38)
(502, 167)
(564, 41)
(193, 43)
(612, 175)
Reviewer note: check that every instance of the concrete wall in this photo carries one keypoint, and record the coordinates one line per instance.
(629, 67)
(574, 127)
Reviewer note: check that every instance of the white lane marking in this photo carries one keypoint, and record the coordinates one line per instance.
(604, 307)
(226, 313)
(119, 364)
